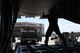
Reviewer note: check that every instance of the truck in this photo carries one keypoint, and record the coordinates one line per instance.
(30, 36)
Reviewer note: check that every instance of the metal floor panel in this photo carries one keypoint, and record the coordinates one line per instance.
(49, 49)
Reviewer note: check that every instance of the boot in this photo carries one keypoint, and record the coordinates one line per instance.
(46, 43)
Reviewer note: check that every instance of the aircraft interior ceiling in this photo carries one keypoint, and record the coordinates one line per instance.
(35, 7)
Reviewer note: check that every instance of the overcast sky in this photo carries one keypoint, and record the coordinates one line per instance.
(64, 25)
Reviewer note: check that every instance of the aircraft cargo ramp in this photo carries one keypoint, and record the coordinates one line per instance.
(47, 49)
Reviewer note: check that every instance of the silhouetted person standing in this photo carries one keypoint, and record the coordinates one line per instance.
(53, 26)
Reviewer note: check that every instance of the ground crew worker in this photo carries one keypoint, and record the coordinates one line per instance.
(53, 26)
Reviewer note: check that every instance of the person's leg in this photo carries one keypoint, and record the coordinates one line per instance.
(48, 33)
(56, 29)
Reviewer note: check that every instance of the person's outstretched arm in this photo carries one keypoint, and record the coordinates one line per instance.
(43, 16)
